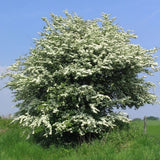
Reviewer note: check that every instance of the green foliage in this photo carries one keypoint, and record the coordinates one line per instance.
(136, 119)
(78, 72)
(152, 118)
(4, 123)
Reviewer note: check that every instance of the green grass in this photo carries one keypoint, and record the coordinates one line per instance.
(128, 144)
(153, 127)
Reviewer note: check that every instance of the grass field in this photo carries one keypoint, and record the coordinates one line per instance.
(128, 144)
(153, 127)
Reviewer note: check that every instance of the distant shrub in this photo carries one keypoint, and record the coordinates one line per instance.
(136, 119)
(152, 118)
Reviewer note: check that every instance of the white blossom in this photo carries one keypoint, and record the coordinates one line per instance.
(77, 73)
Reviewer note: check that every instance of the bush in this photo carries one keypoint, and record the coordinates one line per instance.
(78, 72)
(152, 118)
(136, 119)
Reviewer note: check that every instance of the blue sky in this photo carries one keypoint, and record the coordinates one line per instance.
(21, 20)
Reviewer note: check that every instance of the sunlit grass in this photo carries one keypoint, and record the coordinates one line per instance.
(126, 144)
(153, 127)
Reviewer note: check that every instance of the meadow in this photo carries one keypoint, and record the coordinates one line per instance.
(153, 127)
(127, 144)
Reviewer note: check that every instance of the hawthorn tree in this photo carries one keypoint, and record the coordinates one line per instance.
(77, 73)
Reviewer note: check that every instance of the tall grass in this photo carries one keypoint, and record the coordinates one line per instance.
(126, 144)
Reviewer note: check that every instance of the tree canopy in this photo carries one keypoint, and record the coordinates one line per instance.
(77, 73)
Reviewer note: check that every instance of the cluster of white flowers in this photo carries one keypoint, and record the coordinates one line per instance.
(77, 73)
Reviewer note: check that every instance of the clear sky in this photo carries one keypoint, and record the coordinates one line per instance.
(21, 20)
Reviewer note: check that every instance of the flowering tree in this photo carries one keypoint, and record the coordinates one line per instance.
(78, 72)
